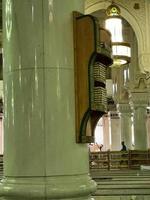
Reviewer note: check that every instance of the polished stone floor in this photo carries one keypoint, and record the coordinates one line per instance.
(132, 197)
(122, 185)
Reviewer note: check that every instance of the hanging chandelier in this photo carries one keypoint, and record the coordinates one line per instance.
(121, 50)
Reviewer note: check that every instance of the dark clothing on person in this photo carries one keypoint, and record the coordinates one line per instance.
(124, 148)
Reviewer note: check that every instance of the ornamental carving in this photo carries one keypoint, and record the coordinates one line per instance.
(144, 61)
(124, 108)
(139, 14)
(139, 91)
(139, 99)
(140, 85)
(129, 5)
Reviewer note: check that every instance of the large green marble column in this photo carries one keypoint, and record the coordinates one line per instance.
(41, 158)
(126, 124)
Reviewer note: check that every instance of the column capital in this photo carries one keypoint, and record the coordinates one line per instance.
(139, 91)
(124, 108)
(140, 84)
(139, 99)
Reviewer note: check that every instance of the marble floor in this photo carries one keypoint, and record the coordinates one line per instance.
(132, 197)
(122, 185)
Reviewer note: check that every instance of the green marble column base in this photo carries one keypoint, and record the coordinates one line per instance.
(77, 187)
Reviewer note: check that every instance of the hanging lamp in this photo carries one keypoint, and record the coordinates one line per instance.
(121, 50)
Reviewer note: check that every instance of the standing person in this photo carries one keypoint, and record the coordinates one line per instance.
(124, 148)
(100, 147)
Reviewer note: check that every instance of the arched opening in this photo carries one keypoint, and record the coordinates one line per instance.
(99, 132)
(93, 7)
(102, 135)
(121, 77)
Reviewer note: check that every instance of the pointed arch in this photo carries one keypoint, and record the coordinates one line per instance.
(128, 16)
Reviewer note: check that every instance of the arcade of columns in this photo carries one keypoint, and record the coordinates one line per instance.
(130, 121)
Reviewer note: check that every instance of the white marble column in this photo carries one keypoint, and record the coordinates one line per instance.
(126, 124)
(148, 129)
(41, 157)
(106, 131)
(140, 129)
(115, 132)
(139, 98)
(139, 107)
